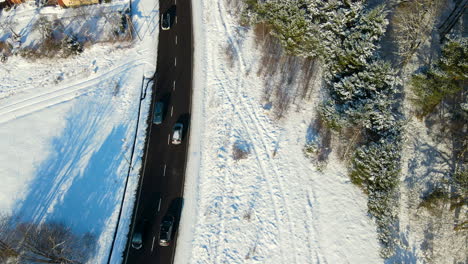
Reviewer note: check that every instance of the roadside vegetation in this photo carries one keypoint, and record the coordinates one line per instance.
(65, 36)
(364, 93)
(49, 242)
(360, 88)
(445, 78)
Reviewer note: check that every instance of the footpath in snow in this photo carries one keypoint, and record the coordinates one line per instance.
(273, 206)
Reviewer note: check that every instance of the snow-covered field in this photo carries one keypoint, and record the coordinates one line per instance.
(67, 127)
(273, 206)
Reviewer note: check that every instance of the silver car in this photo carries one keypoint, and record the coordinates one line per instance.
(165, 233)
(177, 133)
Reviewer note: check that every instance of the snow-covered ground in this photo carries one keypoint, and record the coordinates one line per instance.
(273, 206)
(67, 125)
(67, 128)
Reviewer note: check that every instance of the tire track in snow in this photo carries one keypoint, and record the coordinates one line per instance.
(51, 98)
(276, 190)
(314, 229)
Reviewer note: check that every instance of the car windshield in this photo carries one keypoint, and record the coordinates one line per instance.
(165, 226)
(136, 238)
(166, 19)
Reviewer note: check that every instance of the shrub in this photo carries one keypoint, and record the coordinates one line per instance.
(434, 198)
(71, 46)
(240, 150)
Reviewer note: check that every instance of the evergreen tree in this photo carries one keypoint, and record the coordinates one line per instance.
(447, 76)
(289, 24)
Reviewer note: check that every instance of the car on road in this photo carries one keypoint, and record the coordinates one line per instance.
(165, 233)
(137, 240)
(177, 133)
(158, 113)
(166, 21)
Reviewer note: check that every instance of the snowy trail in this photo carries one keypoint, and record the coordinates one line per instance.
(48, 98)
(253, 126)
(266, 193)
(272, 205)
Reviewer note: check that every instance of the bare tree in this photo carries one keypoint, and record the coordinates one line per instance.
(50, 242)
(413, 22)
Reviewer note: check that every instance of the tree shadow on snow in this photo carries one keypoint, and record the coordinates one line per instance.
(81, 183)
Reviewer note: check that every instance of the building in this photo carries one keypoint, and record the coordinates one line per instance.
(15, 2)
(75, 3)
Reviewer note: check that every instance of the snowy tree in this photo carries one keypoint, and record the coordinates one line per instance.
(447, 76)
(361, 88)
(289, 24)
(365, 98)
(360, 41)
(376, 168)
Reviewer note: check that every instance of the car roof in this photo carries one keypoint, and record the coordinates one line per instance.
(168, 218)
(137, 236)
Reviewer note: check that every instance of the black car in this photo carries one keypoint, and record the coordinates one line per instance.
(165, 233)
(158, 113)
(137, 237)
(166, 21)
(137, 240)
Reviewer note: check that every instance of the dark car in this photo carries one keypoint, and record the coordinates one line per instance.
(166, 21)
(165, 233)
(137, 238)
(158, 113)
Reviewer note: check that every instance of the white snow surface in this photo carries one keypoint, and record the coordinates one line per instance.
(67, 126)
(274, 206)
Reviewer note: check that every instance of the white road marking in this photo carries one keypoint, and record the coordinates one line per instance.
(176, 19)
(152, 245)
(173, 86)
(168, 138)
(175, 61)
(175, 2)
(172, 110)
(176, 39)
(159, 206)
(164, 173)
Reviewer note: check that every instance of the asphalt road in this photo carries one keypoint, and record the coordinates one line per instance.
(164, 163)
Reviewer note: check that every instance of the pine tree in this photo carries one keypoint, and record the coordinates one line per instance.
(289, 24)
(446, 77)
